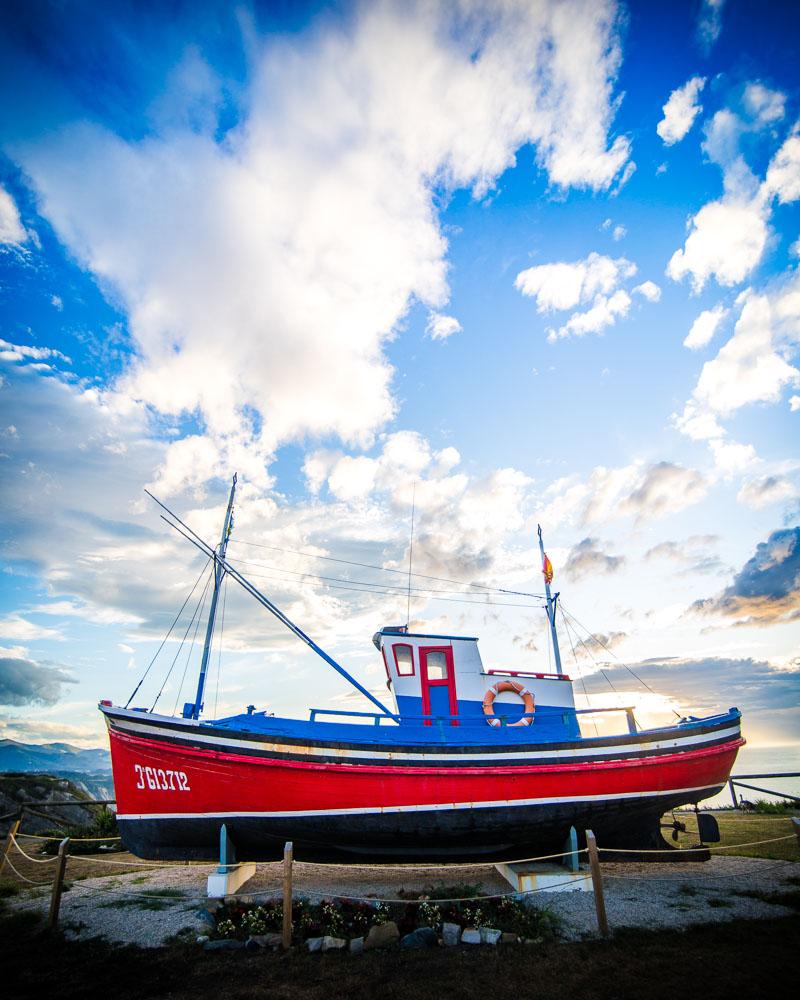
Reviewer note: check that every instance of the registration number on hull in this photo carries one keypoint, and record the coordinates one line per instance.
(159, 779)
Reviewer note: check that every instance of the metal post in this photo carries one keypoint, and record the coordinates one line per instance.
(597, 884)
(58, 883)
(733, 794)
(9, 841)
(287, 896)
(551, 609)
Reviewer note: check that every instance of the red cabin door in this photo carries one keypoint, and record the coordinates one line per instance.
(438, 682)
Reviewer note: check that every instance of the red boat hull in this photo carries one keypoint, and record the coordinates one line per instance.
(172, 799)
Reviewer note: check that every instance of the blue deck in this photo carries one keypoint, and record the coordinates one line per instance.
(549, 726)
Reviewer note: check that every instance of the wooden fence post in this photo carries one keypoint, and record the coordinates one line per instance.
(597, 883)
(13, 831)
(287, 895)
(796, 825)
(58, 883)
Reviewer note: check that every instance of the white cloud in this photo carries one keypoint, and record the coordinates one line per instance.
(642, 491)
(618, 233)
(12, 232)
(704, 327)
(794, 403)
(17, 628)
(268, 278)
(759, 493)
(440, 327)
(763, 105)
(593, 281)
(709, 23)
(783, 173)
(680, 111)
(726, 241)
(731, 457)
(649, 290)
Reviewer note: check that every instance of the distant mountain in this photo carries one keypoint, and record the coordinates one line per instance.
(52, 758)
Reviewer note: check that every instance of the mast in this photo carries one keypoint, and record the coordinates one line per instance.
(551, 602)
(193, 711)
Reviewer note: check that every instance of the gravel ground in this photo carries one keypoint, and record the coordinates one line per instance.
(126, 908)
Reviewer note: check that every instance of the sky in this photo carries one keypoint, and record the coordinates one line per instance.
(504, 264)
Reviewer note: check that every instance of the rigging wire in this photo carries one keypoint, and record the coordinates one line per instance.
(592, 657)
(178, 653)
(410, 554)
(385, 569)
(620, 662)
(219, 649)
(191, 647)
(163, 641)
(578, 669)
(378, 589)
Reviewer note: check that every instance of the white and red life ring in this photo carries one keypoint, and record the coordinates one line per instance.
(517, 688)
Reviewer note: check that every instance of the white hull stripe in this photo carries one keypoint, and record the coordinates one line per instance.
(377, 754)
(497, 803)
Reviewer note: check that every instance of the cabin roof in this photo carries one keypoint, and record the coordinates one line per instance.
(391, 630)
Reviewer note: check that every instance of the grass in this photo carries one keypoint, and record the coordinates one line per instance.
(736, 828)
(718, 961)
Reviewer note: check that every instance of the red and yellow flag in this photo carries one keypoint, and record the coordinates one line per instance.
(547, 570)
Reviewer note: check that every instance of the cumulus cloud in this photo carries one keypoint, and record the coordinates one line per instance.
(759, 493)
(267, 279)
(586, 558)
(766, 591)
(709, 23)
(24, 682)
(19, 629)
(648, 290)
(680, 111)
(694, 553)
(594, 282)
(704, 327)
(440, 327)
(728, 236)
(12, 232)
(637, 490)
(750, 367)
(763, 104)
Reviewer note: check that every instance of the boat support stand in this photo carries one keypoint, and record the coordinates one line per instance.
(229, 875)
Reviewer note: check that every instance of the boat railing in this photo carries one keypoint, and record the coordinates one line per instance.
(461, 720)
(627, 709)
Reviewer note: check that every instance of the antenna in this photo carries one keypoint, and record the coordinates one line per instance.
(411, 553)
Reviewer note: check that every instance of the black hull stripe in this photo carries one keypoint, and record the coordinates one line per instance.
(438, 749)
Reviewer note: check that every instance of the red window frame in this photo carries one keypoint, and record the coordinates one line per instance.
(410, 648)
(449, 682)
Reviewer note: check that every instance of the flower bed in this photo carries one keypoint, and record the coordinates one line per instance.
(433, 907)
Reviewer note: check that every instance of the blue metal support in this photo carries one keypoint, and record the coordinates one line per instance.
(219, 573)
(251, 589)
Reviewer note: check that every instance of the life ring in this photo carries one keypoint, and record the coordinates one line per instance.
(517, 688)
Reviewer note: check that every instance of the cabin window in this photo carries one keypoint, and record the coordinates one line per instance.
(404, 658)
(436, 665)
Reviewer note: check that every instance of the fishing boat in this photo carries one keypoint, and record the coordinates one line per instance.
(467, 761)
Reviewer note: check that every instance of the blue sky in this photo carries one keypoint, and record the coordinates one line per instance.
(535, 261)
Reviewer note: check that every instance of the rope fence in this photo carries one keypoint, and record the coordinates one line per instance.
(592, 850)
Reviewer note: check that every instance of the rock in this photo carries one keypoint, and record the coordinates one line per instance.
(382, 935)
(204, 917)
(251, 945)
(451, 934)
(213, 905)
(489, 935)
(422, 937)
(224, 944)
(507, 938)
(267, 940)
(314, 944)
(333, 943)
(202, 938)
(356, 945)
(470, 936)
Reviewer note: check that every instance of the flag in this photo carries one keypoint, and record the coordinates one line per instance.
(547, 570)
